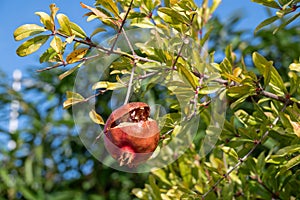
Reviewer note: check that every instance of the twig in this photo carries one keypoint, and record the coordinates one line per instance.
(243, 159)
(261, 91)
(121, 27)
(65, 64)
(130, 84)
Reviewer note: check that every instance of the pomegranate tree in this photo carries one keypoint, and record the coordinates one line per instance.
(131, 135)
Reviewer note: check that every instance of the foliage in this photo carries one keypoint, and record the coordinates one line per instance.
(257, 154)
(49, 160)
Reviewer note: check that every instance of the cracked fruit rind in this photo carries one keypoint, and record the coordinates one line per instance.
(131, 135)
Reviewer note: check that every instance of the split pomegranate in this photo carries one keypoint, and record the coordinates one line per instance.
(131, 135)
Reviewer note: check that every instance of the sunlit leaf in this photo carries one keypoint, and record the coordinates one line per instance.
(64, 23)
(32, 45)
(76, 55)
(188, 75)
(268, 3)
(49, 56)
(77, 30)
(27, 30)
(70, 71)
(295, 67)
(171, 16)
(53, 10)
(266, 22)
(56, 44)
(97, 30)
(96, 117)
(72, 99)
(275, 81)
(287, 22)
(109, 5)
(46, 20)
(107, 85)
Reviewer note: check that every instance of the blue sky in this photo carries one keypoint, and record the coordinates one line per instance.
(18, 12)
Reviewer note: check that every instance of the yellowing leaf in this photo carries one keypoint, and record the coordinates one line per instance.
(64, 23)
(109, 5)
(56, 44)
(53, 10)
(107, 85)
(232, 77)
(46, 20)
(295, 67)
(77, 30)
(72, 99)
(96, 117)
(70, 71)
(32, 45)
(27, 30)
(76, 55)
(97, 12)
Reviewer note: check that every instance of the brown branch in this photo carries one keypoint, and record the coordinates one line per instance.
(244, 158)
(261, 91)
(121, 27)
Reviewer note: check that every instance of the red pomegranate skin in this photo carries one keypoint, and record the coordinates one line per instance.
(130, 135)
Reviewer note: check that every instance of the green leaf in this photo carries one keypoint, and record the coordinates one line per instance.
(231, 152)
(266, 22)
(161, 174)
(49, 56)
(245, 118)
(65, 24)
(27, 30)
(290, 164)
(276, 81)
(28, 170)
(190, 77)
(96, 117)
(171, 16)
(70, 71)
(32, 45)
(287, 22)
(107, 85)
(238, 91)
(109, 5)
(268, 3)
(155, 189)
(46, 20)
(77, 30)
(76, 55)
(97, 30)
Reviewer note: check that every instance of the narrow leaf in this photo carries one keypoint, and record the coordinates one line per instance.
(107, 85)
(72, 99)
(109, 5)
(27, 30)
(46, 20)
(76, 55)
(266, 22)
(77, 30)
(32, 45)
(70, 71)
(64, 23)
(96, 117)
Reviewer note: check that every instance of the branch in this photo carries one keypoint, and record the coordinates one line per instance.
(261, 91)
(121, 27)
(243, 159)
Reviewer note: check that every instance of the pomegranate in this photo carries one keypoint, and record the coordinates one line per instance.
(130, 135)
